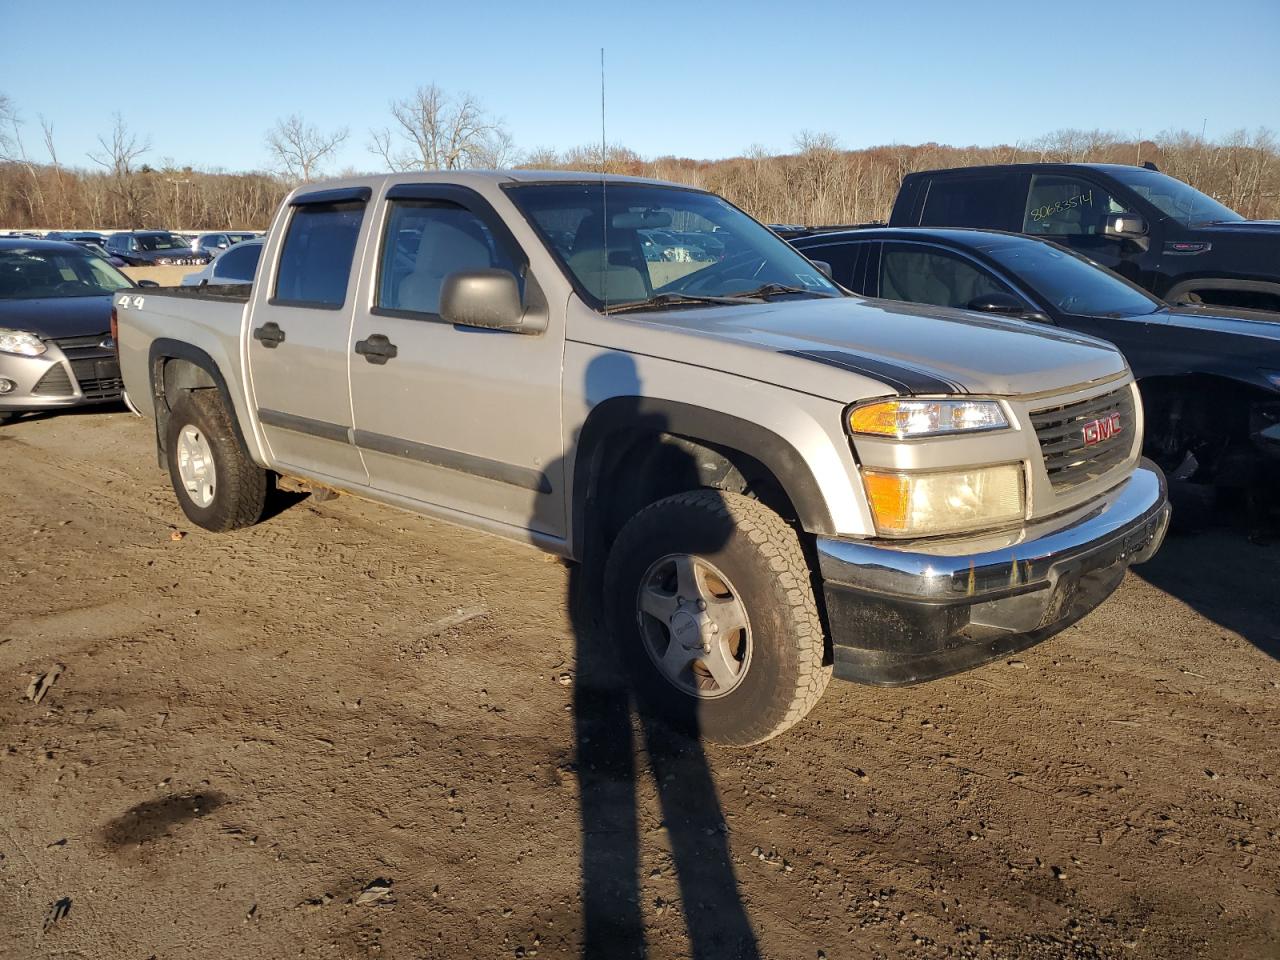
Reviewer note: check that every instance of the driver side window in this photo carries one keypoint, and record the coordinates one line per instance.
(918, 274)
(425, 242)
(1064, 206)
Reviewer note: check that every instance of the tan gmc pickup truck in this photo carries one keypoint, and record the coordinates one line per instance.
(782, 481)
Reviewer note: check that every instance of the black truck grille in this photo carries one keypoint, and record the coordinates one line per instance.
(1082, 441)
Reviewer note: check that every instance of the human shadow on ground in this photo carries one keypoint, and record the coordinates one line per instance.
(613, 719)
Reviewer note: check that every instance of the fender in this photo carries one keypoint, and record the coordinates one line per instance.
(165, 349)
(711, 427)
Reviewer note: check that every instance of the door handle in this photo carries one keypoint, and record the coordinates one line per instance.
(269, 334)
(377, 349)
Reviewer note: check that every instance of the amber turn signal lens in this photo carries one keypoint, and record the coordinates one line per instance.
(904, 419)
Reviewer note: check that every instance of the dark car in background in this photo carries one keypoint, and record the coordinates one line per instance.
(148, 248)
(56, 348)
(1209, 376)
(1153, 229)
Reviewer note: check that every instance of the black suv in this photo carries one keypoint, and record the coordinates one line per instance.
(1150, 228)
(147, 248)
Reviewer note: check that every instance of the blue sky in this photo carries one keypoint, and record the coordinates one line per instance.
(205, 80)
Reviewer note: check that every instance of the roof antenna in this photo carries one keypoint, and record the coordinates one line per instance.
(604, 196)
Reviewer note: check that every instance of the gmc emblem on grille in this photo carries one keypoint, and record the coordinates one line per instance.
(1102, 429)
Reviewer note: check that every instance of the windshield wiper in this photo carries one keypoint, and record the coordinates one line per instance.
(766, 290)
(678, 299)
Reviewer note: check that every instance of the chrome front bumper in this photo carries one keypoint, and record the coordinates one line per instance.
(902, 613)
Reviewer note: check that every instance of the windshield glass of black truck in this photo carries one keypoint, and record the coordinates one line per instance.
(630, 245)
(1177, 200)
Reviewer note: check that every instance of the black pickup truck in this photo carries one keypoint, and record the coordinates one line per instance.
(1150, 228)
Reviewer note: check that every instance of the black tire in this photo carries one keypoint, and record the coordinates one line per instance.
(760, 555)
(240, 489)
(6, 417)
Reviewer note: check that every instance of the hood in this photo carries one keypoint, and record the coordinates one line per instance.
(1263, 228)
(58, 317)
(912, 348)
(1258, 324)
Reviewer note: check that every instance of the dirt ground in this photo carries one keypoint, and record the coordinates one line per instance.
(352, 732)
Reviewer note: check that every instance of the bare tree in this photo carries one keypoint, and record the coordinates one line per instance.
(117, 156)
(299, 148)
(432, 130)
(12, 150)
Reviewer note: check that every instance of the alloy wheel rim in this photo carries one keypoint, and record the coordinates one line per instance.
(694, 626)
(195, 466)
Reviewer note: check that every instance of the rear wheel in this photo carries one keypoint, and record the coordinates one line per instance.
(709, 594)
(218, 486)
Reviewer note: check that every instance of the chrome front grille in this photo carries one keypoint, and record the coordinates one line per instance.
(1084, 440)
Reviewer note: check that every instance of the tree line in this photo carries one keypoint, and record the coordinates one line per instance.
(818, 182)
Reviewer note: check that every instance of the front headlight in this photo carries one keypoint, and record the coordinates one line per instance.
(21, 342)
(928, 504)
(907, 419)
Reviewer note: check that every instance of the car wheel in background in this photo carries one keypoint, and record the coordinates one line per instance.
(711, 598)
(218, 486)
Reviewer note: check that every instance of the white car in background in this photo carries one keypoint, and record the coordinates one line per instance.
(236, 264)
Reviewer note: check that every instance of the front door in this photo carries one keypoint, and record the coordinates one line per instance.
(1070, 210)
(462, 418)
(300, 328)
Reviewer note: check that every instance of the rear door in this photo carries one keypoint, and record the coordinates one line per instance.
(462, 418)
(300, 326)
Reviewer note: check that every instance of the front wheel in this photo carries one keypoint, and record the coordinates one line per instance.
(218, 486)
(710, 596)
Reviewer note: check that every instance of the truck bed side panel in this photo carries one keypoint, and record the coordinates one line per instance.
(209, 320)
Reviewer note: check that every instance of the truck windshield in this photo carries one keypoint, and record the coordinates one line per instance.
(1176, 200)
(1069, 282)
(627, 244)
(40, 274)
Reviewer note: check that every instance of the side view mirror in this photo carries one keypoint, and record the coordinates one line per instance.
(823, 267)
(1003, 303)
(1124, 226)
(483, 298)
(1006, 305)
(148, 283)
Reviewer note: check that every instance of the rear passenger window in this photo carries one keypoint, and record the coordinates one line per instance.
(426, 241)
(841, 256)
(315, 264)
(965, 202)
